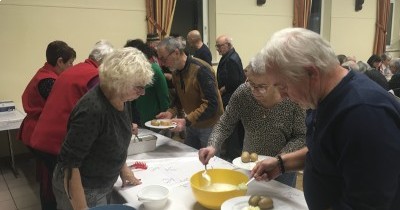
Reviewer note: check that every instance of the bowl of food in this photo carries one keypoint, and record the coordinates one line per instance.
(153, 196)
(225, 184)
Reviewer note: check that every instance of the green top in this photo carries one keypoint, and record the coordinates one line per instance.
(156, 98)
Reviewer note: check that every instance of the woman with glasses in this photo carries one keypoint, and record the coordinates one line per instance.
(99, 132)
(273, 125)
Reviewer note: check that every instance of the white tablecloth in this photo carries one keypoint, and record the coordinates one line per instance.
(173, 163)
(11, 120)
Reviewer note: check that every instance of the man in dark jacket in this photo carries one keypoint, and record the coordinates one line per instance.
(230, 69)
(230, 75)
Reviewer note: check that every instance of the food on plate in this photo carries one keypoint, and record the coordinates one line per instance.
(245, 157)
(155, 123)
(253, 157)
(252, 208)
(265, 203)
(260, 202)
(254, 199)
(165, 122)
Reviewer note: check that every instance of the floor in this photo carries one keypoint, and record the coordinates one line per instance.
(22, 192)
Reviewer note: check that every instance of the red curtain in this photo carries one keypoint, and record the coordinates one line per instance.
(382, 16)
(302, 9)
(159, 16)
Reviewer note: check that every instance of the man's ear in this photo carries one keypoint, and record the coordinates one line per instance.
(312, 71)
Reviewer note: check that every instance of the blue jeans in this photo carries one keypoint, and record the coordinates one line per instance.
(94, 197)
(197, 137)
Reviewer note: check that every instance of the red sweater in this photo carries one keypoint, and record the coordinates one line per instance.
(33, 102)
(67, 90)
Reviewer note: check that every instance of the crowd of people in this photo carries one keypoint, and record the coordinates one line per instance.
(334, 117)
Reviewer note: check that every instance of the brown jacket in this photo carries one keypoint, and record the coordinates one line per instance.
(197, 93)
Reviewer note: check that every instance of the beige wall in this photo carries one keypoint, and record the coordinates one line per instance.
(26, 27)
(250, 25)
(352, 33)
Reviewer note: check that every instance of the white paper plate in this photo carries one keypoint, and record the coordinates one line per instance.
(247, 166)
(148, 124)
(241, 203)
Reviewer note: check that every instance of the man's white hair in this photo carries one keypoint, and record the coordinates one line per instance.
(291, 50)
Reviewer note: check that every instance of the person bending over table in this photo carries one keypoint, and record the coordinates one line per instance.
(350, 159)
(272, 125)
(99, 132)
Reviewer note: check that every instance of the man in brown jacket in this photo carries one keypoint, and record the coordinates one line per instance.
(197, 92)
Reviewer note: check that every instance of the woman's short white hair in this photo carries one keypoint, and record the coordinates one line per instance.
(100, 50)
(257, 64)
(124, 69)
(290, 50)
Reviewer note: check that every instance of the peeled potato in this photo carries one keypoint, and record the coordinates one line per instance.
(245, 157)
(253, 157)
(155, 123)
(254, 199)
(165, 122)
(265, 202)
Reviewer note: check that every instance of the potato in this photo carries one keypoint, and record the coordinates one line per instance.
(254, 199)
(265, 202)
(155, 123)
(253, 157)
(245, 157)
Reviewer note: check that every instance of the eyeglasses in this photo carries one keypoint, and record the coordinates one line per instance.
(220, 45)
(260, 88)
(164, 59)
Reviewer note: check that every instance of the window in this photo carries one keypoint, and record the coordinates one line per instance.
(389, 24)
(314, 22)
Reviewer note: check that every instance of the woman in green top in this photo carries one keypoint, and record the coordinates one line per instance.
(156, 98)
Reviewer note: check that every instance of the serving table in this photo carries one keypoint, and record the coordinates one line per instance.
(172, 164)
(11, 120)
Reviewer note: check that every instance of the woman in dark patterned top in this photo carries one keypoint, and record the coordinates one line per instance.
(272, 125)
(99, 131)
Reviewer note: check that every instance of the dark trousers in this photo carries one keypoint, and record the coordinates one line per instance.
(44, 170)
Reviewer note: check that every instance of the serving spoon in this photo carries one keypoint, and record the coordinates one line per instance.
(206, 176)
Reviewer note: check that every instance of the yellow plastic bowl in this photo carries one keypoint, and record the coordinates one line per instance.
(214, 200)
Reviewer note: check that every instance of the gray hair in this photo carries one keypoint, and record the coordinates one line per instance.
(351, 65)
(363, 66)
(290, 50)
(395, 65)
(100, 50)
(171, 43)
(257, 64)
(123, 69)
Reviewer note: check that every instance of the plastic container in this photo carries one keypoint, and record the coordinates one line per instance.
(142, 144)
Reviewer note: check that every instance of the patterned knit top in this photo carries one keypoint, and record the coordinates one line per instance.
(280, 129)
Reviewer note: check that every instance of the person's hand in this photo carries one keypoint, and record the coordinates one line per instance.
(266, 169)
(128, 178)
(168, 76)
(205, 154)
(164, 115)
(135, 129)
(222, 90)
(180, 124)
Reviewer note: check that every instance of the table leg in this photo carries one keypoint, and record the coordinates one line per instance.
(12, 154)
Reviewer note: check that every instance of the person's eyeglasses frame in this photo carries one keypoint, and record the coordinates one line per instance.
(164, 59)
(220, 45)
(260, 88)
